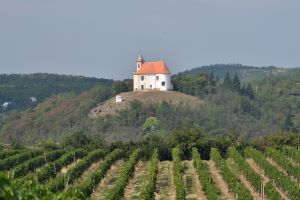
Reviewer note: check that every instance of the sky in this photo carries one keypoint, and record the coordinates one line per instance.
(102, 38)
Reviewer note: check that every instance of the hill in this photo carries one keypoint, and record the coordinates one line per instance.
(110, 107)
(17, 89)
(246, 73)
(214, 106)
(54, 118)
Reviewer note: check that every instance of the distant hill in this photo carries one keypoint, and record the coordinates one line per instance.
(54, 118)
(17, 89)
(246, 73)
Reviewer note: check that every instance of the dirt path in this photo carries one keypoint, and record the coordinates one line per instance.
(295, 163)
(108, 181)
(135, 184)
(165, 187)
(245, 182)
(65, 169)
(87, 173)
(191, 181)
(272, 162)
(261, 172)
(218, 179)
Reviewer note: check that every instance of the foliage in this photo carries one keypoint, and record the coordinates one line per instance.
(31, 164)
(51, 169)
(117, 192)
(58, 116)
(62, 182)
(273, 173)
(19, 88)
(243, 71)
(11, 161)
(86, 188)
(27, 190)
(151, 125)
(233, 182)
(122, 86)
(291, 152)
(178, 174)
(6, 153)
(283, 162)
(198, 85)
(16, 144)
(151, 174)
(254, 178)
(206, 179)
(186, 139)
(251, 108)
(82, 140)
(277, 141)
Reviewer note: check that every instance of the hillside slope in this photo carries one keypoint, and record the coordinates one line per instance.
(19, 88)
(271, 108)
(54, 118)
(246, 73)
(152, 97)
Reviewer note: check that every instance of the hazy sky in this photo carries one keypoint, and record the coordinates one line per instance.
(102, 38)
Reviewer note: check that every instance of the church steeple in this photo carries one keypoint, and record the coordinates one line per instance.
(139, 61)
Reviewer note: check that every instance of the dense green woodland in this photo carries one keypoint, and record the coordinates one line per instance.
(232, 104)
(18, 88)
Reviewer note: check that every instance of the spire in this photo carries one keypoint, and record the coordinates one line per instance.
(140, 57)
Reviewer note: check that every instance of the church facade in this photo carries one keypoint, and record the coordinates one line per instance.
(151, 76)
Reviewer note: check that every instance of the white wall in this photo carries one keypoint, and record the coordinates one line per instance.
(151, 80)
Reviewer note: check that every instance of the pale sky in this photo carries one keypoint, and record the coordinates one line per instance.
(102, 38)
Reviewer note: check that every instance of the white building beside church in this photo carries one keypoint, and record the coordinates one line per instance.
(151, 76)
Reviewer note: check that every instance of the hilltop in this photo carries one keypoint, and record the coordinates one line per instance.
(110, 107)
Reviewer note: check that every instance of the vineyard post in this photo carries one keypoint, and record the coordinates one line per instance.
(67, 182)
(263, 187)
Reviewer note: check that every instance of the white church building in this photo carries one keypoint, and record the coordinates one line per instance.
(151, 76)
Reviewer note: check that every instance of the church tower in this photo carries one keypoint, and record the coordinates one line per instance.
(139, 61)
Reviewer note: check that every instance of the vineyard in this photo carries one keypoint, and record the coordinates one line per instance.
(115, 174)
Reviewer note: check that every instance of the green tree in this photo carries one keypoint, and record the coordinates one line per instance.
(288, 123)
(151, 125)
(16, 144)
(236, 84)
(77, 140)
(119, 87)
(249, 91)
(227, 81)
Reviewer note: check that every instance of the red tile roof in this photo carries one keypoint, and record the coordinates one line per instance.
(158, 67)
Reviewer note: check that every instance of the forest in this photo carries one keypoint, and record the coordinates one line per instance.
(231, 105)
(19, 88)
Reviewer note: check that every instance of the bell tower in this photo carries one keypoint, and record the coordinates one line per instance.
(139, 61)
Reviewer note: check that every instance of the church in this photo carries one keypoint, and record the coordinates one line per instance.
(151, 76)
